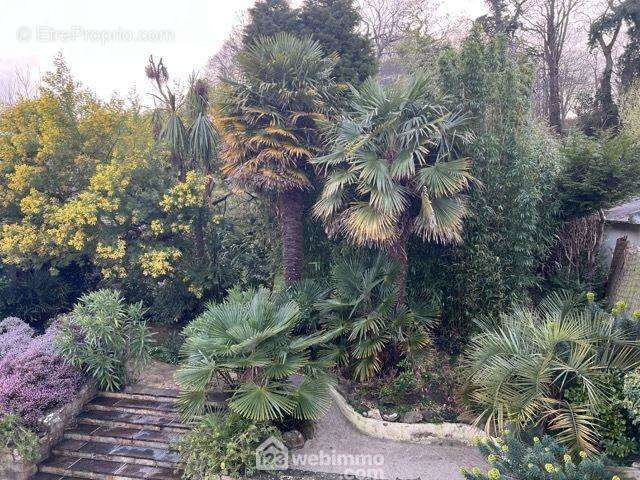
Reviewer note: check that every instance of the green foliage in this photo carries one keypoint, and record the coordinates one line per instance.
(248, 343)
(521, 366)
(618, 437)
(105, 337)
(545, 459)
(374, 332)
(334, 24)
(15, 436)
(222, 445)
(598, 173)
(517, 162)
(168, 350)
(629, 61)
(631, 391)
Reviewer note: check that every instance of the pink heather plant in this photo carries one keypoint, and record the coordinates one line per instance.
(34, 379)
(15, 335)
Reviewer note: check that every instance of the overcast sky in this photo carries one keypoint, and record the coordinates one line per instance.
(107, 43)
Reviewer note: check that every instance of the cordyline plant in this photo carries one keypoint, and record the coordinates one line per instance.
(395, 169)
(521, 366)
(268, 118)
(247, 344)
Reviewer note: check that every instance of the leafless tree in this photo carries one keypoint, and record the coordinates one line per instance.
(387, 22)
(224, 63)
(16, 85)
(550, 23)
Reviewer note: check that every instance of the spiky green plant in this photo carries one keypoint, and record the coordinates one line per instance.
(521, 366)
(360, 306)
(105, 337)
(269, 119)
(246, 344)
(395, 169)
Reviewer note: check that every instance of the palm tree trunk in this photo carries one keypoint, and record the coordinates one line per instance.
(398, 252)
(290, 207)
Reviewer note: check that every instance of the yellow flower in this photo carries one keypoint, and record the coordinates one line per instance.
(615, 477)
(591, 296)
(567, 458)
(491, 458)
(621, 305)
(530, 465)
(582, 454)
(549, 467)
(156, 227)
(223, 466)
(476, 471)
(636, 314)
(493, 474)
(536, 440)
(505, 448)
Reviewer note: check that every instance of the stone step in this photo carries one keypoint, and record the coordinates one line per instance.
(131, 420)
(139, 396)
(52, 476)
(113, 452)
(139, 407)
(103, 470)
(122, 436)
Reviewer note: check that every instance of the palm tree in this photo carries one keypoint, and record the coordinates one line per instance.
(395, 170)
(268, 119)
(248, 344)
(522, 368)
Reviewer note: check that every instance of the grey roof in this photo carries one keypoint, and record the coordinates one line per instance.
(628, 212)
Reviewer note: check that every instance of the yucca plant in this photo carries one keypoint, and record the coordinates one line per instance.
(361, 306)
(521, 367)
(395, 170)
(246, 345)
(269, 120)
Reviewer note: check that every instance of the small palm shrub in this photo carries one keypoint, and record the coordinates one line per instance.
(546, 459)
(222, 445)
(521, 367)
(375, 332)
(105, 337)
(35, 379)
(247, 344)
(15, 436)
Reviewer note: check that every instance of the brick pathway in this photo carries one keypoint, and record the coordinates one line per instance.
(120, 436)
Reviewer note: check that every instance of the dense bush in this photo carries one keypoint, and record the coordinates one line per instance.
(15, 335)
(510, 457)
(34, 379)
(222, 445)
(521, 366)
(15, 436)
(247, 342)
(105, 337)
(360, 305)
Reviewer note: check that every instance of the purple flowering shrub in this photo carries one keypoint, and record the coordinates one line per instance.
(15, 335)
(34, 378)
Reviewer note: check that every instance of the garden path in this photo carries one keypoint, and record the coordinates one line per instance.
(334, 435)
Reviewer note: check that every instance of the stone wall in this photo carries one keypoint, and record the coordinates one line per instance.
(13, 467)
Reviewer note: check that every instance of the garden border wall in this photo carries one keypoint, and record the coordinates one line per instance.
(14, 467)
(422, 433)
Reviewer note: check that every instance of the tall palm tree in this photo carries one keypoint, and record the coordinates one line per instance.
(395, 169)
(268, 118)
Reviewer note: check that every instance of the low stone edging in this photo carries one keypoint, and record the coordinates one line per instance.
(14, 467)
(423, 433)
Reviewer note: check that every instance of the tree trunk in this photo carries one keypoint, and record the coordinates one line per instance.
(290, 214)
(555, 108)
(398, 252)
(604, 98)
